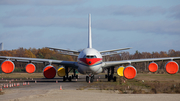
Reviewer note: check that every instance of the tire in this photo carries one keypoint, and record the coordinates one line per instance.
(92, 79)
(109, 78)
(114, 79)
(64, 78)
(106, 76)
(70, 78)
(87, 79)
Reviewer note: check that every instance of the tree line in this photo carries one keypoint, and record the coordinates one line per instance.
(43, 53)
(46, 53)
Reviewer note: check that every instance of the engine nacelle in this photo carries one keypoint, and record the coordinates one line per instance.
(49, 72)
(153, 67)
(61, 71)
(172, 67)
(7, 66)
(120, 70)
(130, 72)
(30, 68)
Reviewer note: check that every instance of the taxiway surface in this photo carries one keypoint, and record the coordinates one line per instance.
(48, 89)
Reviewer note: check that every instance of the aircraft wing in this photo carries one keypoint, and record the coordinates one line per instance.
(111, 54)
(115, 50)
(67, 52)
(113, 63)
(38, 60)
(64, 50)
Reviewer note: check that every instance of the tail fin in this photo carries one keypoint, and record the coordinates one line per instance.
(89, 33)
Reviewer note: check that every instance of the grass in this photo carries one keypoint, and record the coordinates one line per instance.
(21, 75)
(158, 77)
(143, 84)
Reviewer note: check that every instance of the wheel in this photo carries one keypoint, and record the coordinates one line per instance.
(87, 79)
(106, 76)
(92, 79)
(76, 76)
(114, 79)
(70, 78)
(64, 78)
(109, 78)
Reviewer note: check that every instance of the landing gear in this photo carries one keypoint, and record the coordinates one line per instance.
(111, 77)
(74, 75)
(90, 78)
(67, 77)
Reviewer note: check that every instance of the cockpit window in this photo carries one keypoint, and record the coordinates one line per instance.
(90, 56)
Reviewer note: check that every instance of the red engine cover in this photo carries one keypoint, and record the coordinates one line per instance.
(49, 72)
(172, 67)
(130, 72)
(7, 66)
(30, 68)
(153, 67)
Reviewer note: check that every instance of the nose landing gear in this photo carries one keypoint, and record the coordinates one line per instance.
(89, 78)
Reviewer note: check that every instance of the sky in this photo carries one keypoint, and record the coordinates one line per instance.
(144, 25)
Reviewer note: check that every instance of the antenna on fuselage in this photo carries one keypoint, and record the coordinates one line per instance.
(89, 33)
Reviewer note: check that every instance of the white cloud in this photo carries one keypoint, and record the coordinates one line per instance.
(41, 2)
(44, 21)
(158, 27)
(136, 11)
(175, 12)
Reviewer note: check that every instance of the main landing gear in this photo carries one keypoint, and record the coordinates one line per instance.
(111, 76)
(67, 77)
(74, 76)
(89, 78)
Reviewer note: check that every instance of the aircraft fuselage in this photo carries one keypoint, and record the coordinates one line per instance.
(89, 61)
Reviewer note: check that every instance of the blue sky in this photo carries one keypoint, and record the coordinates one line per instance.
(145, 25)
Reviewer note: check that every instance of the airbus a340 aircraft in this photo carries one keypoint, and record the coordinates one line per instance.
(89, 62)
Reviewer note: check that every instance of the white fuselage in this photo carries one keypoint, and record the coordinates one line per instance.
(89, 61)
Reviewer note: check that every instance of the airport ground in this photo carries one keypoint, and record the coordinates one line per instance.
(40, 89)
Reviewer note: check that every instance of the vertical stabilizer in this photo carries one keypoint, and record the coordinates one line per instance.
(89, 33)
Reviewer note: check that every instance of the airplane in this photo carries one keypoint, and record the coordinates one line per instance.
(89, 62)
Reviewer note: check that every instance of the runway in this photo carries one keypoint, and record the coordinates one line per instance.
(49, 89)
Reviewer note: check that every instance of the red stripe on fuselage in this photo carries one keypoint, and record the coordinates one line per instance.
(90, 61)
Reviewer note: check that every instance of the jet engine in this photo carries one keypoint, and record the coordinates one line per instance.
(30, 68)
(7, 66)
(130, 72)
(120, 70)
(172, 67)
(61, 71)
(153, 67)
(49, 72)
